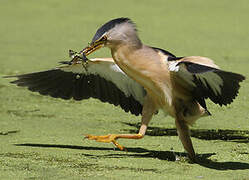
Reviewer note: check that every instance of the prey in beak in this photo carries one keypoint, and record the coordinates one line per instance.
(94, 45)
(80, 57)
(76, 58)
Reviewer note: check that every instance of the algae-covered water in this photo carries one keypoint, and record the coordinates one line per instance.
(42, 137)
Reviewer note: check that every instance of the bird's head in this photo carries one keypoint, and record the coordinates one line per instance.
(114, 33)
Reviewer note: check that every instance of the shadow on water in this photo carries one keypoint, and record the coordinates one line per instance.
(202, 159)
(4, 133)
(239, 136)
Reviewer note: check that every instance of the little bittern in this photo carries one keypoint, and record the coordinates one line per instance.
(141, 80)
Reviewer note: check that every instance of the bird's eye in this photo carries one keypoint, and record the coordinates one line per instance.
(104, 38)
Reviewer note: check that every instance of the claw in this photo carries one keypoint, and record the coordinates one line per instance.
(111, 138)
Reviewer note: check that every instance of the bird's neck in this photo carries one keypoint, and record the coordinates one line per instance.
(134, 43)
(129, 45)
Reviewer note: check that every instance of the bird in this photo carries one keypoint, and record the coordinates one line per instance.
(140, 79)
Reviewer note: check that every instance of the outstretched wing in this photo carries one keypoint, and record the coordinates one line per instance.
(103, 80)
(204, 79)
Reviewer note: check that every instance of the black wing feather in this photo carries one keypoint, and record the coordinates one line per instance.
(66, 85)
(229, 87)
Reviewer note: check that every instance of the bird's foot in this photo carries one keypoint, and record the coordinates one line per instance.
(112, 138)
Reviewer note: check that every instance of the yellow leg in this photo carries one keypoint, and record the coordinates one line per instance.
(112, 138)
(148, 111)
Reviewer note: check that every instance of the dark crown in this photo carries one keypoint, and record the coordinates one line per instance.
(109, 25)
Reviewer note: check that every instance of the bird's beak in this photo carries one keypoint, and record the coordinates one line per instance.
(93, 46)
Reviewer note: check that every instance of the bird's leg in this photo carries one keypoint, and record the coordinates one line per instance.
(147, 113)
(183, 133)
(112, 138)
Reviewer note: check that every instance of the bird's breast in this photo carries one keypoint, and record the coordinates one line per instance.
(149, 70)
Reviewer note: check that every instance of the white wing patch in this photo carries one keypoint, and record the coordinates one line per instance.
(74, 68)
(111, 72)
(173, 66)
